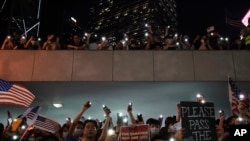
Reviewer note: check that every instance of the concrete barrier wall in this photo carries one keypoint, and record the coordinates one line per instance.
(64, 65)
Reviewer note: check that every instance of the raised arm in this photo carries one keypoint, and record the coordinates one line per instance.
(84, 108)
(106, 125)
(131, 116)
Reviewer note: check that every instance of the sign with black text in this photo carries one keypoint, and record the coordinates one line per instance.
(198, 119)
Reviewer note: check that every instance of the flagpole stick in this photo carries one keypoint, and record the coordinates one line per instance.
(26, 130)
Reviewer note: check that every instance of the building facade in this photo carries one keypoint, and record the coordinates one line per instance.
(114, 19)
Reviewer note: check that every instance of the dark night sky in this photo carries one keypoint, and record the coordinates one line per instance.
(195, 17)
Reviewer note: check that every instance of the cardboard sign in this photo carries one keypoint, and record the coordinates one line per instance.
(198, 119)
(135, 133)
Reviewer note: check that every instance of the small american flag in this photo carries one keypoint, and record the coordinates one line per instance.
(45, 124)
(31, 113)
(14, 94)
(234, 98)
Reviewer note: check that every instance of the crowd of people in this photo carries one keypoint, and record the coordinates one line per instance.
(109, 130)
(169, 41)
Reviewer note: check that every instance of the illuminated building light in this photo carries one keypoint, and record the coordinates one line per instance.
(73, 19)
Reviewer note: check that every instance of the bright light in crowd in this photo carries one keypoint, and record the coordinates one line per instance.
(221, 38)
(198, 95)
(58, 105)
(245, 18)
(14, 137)
(39, 39)
(23, 127)
(226, 39)
(146, 25)
(73, 19)
(120, 114)
(242, 96)
(161, 116)
(23, 37)
(177, 43)
(212, 34)
(86, 34)
(125, 120)
(126, 39)
(168, 26)
(111, 132)
(146, 34)
(240, 119)
(103, 38)
(123, 42)
(203, 101)
(171, 139)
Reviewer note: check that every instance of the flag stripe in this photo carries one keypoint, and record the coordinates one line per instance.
(23, 91)
(12, 101)
(12, 96)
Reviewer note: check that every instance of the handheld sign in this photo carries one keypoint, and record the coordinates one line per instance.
(135, 133)
(198, 119)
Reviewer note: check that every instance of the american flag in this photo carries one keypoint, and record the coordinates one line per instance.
(31, 113)
(14, 94)
(234, 98)
(45, 124)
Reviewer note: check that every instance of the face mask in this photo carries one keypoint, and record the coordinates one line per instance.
(154, 131)
(78, 133)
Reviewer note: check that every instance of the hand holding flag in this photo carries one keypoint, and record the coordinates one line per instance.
(239, 105)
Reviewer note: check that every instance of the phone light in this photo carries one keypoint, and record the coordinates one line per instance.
(14, 137)
(198, 96)
(203, 101)
(240, 119)
(120, 114)
(242, 97)
(111, 132)
(171, 139)
(23, 127)
(125, 120)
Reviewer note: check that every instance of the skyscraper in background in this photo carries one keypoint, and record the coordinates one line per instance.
(114, 19)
